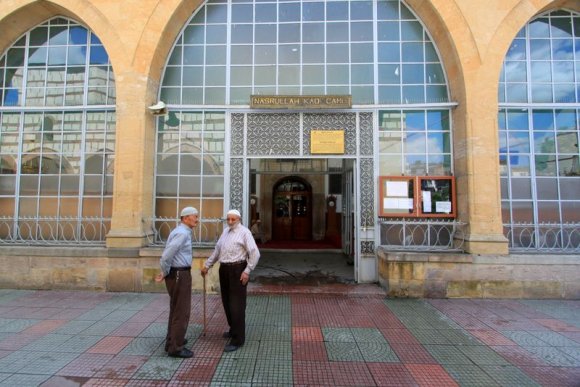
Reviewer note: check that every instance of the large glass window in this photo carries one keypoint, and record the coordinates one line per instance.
(57, 135)
(415, 142)
(539, 134)
(231, 50)
(190, 167)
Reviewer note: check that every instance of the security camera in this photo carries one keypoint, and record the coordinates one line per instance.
(158, 109)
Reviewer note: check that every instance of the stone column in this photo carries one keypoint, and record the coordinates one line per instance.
(134, 162)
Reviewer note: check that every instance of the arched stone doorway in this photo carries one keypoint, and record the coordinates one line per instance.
(292, 209)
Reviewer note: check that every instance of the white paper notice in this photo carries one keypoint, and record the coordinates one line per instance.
(426, 201)
(397, 188)
(407, 204)
(390, 204)
(443, 207)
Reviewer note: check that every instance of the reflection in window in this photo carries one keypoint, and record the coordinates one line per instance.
(541, 141)
(61, 159)
(279, 40)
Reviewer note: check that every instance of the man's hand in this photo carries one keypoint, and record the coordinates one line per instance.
(203, 271)
(245, 277)
(159, 277)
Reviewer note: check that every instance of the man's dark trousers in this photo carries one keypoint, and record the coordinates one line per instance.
(234, 300)
(178, 283)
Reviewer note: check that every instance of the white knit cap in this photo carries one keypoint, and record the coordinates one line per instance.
(189, 211)
(234, 212)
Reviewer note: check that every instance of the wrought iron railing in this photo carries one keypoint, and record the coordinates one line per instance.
(205, 234)
(53, 231)
(543, 237)
(422, 234)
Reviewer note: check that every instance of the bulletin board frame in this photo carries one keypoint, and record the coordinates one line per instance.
(417, 197)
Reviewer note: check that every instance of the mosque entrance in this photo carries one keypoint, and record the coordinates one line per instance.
(292, 210)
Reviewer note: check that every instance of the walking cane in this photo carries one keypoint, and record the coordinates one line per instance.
(204, 314)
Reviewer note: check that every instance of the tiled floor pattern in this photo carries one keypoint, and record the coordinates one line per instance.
(58, 338)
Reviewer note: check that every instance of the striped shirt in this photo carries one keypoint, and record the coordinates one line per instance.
(235, 244)
(178, 251)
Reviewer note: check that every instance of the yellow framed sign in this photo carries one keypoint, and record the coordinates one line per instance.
(327, 142)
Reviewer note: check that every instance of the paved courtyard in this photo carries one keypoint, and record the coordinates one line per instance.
(73, 338)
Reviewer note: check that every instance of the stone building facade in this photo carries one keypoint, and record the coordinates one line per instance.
(92, 179)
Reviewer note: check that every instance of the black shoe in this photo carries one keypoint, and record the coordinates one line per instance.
(167, 345)
(184, 353)
(231, 348)
(226, 335)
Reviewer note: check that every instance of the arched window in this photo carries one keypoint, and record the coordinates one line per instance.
(57, 122)
(539, 94)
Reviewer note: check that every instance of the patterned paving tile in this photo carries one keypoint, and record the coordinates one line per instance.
(312, 373)
(235, 370)
(248, 351)
(23, 380)
(307, 334)
(553, 376)
(110, 345)
(280, 350)
(158, 368)
(197, 369)
(273, 372)
(392, 375)
(553, 356)
(309, 351)
(482, 355)
(86, 365)
(342, 351)
(377, 352)
(491, 337)
(430, 375)
(142, 346)
(342, 335)
(412, 354)
(351, 374)
(99, 382)
(509, 376)
(369, 335)
(555, 339)
(121, 367)
(50, 363)
(447, 354)
(469, 375)
(399, 336)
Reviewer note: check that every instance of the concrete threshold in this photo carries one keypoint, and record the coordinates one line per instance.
(350, 290)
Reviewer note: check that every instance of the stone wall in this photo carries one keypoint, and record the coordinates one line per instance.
(91, 268)
(445, 275)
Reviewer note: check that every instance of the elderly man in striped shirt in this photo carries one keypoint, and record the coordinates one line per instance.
(238, 255)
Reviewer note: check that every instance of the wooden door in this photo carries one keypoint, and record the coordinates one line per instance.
(292, 210)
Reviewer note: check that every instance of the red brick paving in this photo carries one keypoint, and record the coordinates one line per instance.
(110, 345)
(394, 375)
(432, 375)
(307, 334)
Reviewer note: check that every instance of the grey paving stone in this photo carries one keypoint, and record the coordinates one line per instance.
(343, 351)
(508, 375)
(47, 343)
(447, 354)
(49, 363)
(120, 315)
(158, 368)
(273, 372)
(553, 356)
(482, 355)
(17, 325)
(571, 351)
(17, 360)
(378, 352)
(102, 328)
(142, 346)
(74, 327)
(4, 376)
(343, 335)
(78, 343)
(235, 370)
(24, 380)
(155, 330)
(469, 375)
(371, 335)
(276, 333)
(275, 350)
(430, 336)
(555, 339)
(94, 315)
(459, 337)
(524, 338)
(257, 319)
